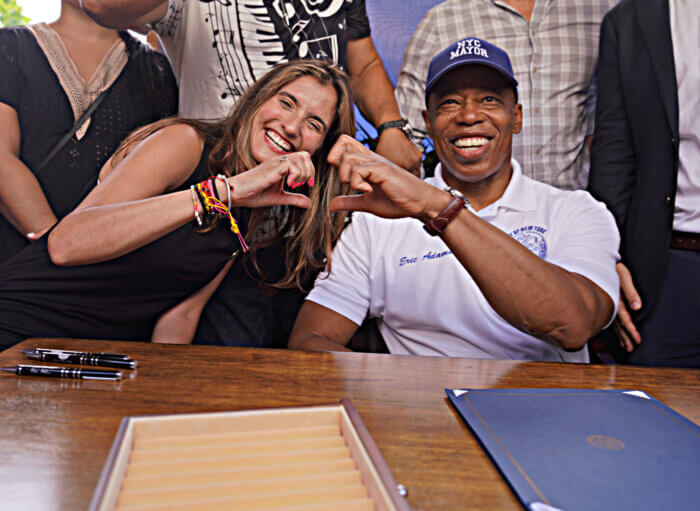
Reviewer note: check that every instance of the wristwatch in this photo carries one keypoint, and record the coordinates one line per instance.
(401, 124)
(438, 224)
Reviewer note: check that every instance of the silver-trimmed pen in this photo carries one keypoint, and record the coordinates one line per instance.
(64, 372)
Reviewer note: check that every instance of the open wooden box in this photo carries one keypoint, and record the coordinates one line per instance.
(310, 458)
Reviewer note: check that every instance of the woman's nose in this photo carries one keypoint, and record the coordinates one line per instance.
(292, 124)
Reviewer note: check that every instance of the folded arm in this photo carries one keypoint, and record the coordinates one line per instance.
(22, 201)
(530, 293)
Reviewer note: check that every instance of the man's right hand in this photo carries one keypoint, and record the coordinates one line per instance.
(624, 327)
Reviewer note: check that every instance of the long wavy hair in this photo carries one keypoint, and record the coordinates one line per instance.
(306, 235)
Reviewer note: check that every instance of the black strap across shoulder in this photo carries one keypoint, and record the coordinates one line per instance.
(72, 131)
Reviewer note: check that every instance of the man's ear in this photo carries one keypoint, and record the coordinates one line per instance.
(518, 124)
(428, 127)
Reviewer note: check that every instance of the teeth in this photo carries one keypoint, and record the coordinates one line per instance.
(278, 141)
(471, 141)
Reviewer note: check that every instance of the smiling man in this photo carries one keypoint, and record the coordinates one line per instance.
(479, 261)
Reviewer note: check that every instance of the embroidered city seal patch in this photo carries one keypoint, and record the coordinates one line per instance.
(532, 238)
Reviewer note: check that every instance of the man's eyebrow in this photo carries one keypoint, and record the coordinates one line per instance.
(294, 100)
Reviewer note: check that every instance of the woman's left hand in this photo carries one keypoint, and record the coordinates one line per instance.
(264, 185)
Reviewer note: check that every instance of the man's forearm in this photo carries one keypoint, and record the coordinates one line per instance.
(318, 328)
(123, 14)
(311, 342)
(528, 292)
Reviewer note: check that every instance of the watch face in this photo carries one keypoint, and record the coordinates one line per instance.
(407, 129)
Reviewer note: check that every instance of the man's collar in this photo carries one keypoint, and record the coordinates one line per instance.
(519, 195)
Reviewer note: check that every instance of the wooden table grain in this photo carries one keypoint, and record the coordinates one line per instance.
(55, 434)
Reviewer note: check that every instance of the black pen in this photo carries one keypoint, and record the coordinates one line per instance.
(85, 359)
(64, 372)
(113, 356)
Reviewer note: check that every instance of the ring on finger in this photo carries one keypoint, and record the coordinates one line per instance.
(284, 158)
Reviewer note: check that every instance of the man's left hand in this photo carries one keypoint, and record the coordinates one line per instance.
(395, 146)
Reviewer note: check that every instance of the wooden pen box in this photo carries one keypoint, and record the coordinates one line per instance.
(310, 458)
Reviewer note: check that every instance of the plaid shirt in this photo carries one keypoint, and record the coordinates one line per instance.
(554, 59)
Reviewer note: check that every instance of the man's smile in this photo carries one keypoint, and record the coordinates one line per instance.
(471, 146)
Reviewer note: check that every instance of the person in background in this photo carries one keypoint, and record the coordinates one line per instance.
(553, 45)
(50, 75)
(218, 49)
(645, 166)
(140, 256)
(490, 264)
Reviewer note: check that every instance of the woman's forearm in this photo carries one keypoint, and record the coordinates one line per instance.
(22, 201)
(100, 233)
(130, 208)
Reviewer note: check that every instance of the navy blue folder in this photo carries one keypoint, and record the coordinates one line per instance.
(576, 449)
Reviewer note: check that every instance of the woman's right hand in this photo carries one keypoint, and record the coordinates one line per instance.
(264, 185)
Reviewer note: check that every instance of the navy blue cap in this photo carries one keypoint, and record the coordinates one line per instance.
(469, 51)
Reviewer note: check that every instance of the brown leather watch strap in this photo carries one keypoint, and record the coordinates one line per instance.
(439, 223)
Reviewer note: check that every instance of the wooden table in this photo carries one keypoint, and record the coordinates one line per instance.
(55, 434)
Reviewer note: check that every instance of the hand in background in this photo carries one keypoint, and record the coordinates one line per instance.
(397, 148)
(624, 327)
(386, 189)
(264, 185)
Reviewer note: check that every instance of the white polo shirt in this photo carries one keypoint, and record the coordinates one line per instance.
(428, 304)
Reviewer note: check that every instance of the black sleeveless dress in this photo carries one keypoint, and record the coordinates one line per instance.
(119, 299)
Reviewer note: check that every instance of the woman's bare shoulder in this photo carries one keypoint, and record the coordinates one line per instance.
(167, 157)
(180, 136)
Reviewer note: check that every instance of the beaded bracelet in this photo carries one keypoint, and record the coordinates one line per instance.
(213, 206)
(204, 199)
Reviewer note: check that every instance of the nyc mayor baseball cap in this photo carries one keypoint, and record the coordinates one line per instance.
(471, 50)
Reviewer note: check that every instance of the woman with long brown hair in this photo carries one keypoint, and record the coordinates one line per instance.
(134, 248)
